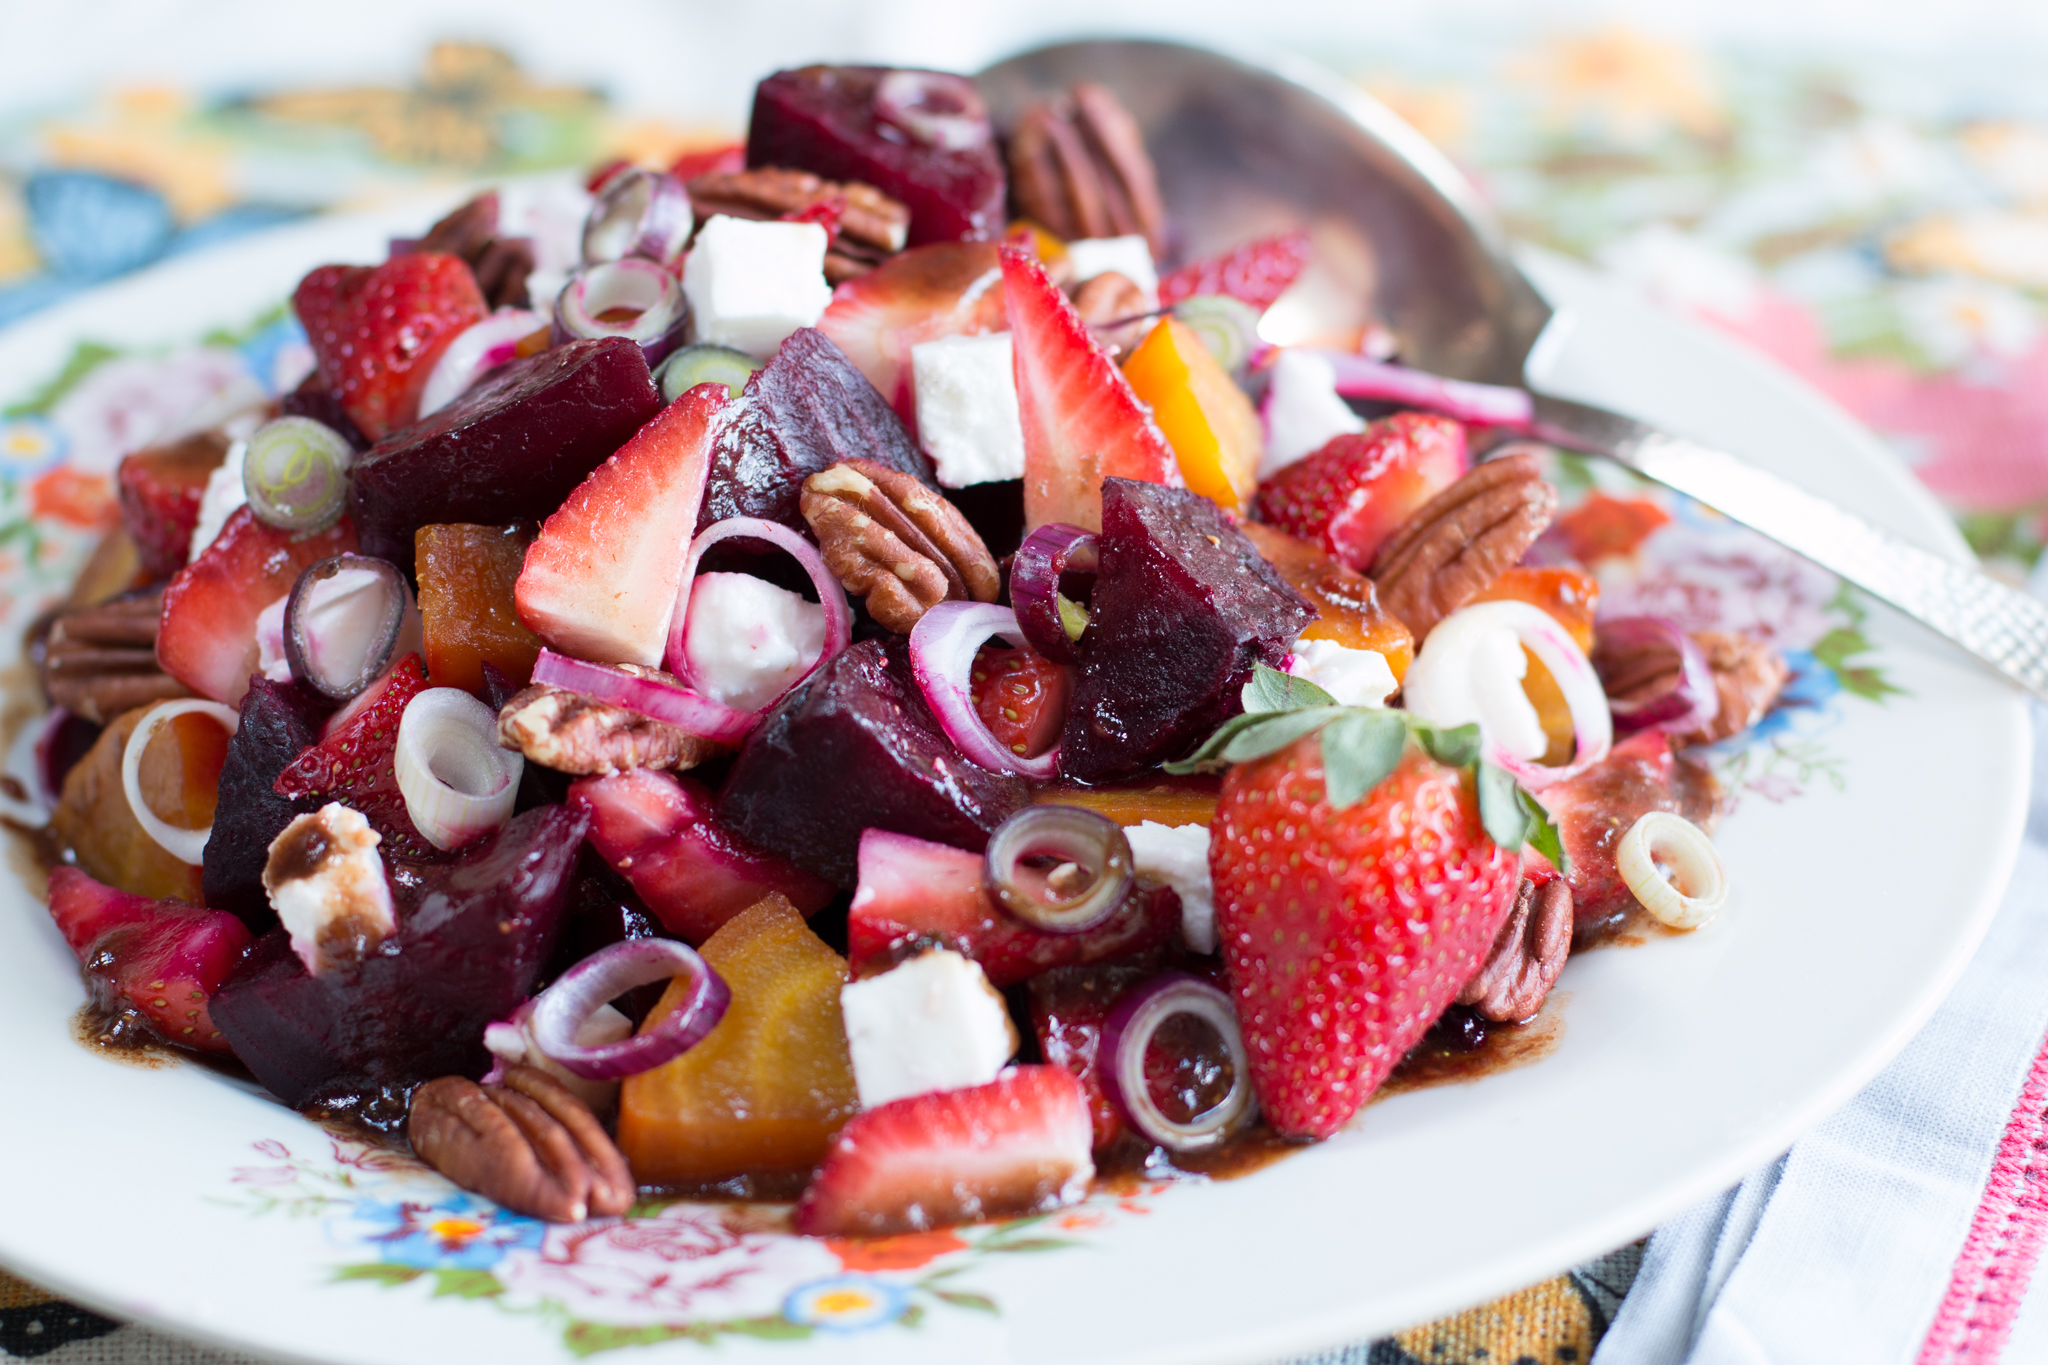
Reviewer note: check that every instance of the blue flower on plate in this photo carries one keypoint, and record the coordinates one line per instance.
(283, 339)
(29, 445)
(846, 1303)
(457, 1233)
(1812, 686)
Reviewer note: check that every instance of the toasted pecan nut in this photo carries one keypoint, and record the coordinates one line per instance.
(1078, 165)
(892, 540)
(1527, 955)
(1116, 310)
(527, 1144)
(572, 733)
(872, 225)
(99, 661)
(1453, 546)
(500, 264)
(1748, 674)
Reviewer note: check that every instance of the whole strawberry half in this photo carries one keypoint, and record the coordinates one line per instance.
(378, 331)
(1352, 494)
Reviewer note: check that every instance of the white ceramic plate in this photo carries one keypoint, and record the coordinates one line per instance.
(196, 1204)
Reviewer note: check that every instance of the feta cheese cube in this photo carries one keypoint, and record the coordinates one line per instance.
(1179, 856)
(967, 418)
(747, 640)
(224, 493)
(1303, 411)
(1355, 677)
(752, 284)
(326, 881)
(933, 1023)
(1129, 257)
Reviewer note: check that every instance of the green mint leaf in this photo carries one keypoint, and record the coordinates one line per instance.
(1275, 731)
(1544, 835)
(1500, 808)
(1360, 748)
(1209, 758)
(1271, 690)
(1456, 748)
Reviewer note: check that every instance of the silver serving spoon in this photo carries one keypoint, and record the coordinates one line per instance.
(1402, 238)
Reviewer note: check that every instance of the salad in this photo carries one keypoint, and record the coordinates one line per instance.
(849, 683)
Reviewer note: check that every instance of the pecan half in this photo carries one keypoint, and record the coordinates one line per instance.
(1527, 954)
(500, 264)
(872, 225)
(1748, 674)
(572, 733)
(895, 542)
(101, 660)
(1078, 166)
(1116, 310)
(527, 1144)
(1453, 546)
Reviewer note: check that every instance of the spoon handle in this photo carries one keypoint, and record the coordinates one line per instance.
(2004, 627)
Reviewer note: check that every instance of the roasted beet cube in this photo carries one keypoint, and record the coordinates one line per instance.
(805, 411)
(510, 450)
(855, 748)
(1183, 607)
(280, 721)
(833, 121)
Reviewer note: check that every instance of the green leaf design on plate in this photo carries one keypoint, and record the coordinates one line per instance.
(466, 1284)
(378, 1272)
(960, 1298)
(86, 357)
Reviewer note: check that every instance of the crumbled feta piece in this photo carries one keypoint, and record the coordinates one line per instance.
(1129, 257)
(1179, 856)
(748, 640)
(752, 284)
(513, 1045)
(224, 493)
(1303, 411)
(933, 1023)
(1355, 677)
(326, 882)
(967, 418)
(270, 656)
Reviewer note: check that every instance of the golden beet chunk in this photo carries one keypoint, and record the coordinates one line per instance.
(1204, 415)
(1348, 610)
(769, 1086)
(179, 777)
(1172, 801)
(466, 578)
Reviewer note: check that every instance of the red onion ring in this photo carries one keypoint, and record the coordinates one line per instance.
(651, 697)
(1085, 838)
(638, 213)
(559, 1011)
(1482, 404)
(1628, 651)
(942, 649)
(1121, 1058)
(831, 596)
(475, 352)
(935, 108)
(654, 296)
(1044, 558)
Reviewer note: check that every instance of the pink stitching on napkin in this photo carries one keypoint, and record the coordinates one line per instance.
(1997, 1260)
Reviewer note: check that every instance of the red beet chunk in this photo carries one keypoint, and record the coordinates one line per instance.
(165, 959)
(160, 490)
(1183, 607)
(472, 937)
(280, 721)
(509, 450)
(804, 411)
(824, 119)
(856, 748)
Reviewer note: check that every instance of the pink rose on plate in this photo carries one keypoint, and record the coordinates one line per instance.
(1722, 578)
(126, 404)
(685, 1264)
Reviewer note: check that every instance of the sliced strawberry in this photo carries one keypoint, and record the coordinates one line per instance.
(1356, 491)
(826, 213)
(377, 331)
(353, 762)
(600, 581)
(1021, 697)
(160, 492)
(928, 292)
(914, 894)
(1016, 1146)
(1257, 272)
(1069, 1009)
(710, 161)
(694, 874)
(1082, 423)
(165, 958)
(1594, 809)
(207, 637)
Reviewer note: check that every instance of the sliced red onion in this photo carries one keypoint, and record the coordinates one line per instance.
(831, 596)
(459, 783)
(935, 108)
(1062, 869)
(1129, 1032)
(942, 649)
(641, 213)
(1654, 675)
(560, 1011)
(1047, 555)
(1482, 404)
(186, 845)
(630, 298)
(1470, 670)
(347, 618)
(475, 352)
(662, 701)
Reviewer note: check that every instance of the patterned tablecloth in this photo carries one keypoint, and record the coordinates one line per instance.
(1878, 224)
